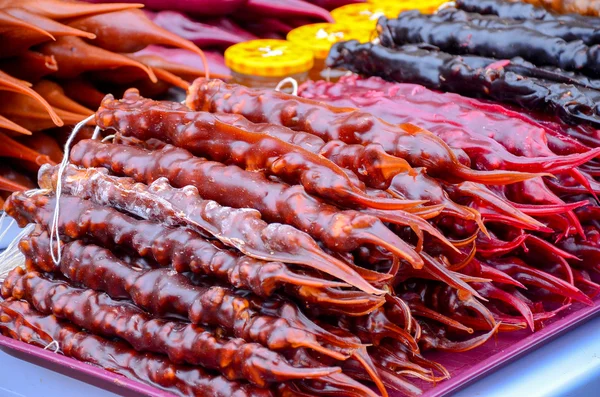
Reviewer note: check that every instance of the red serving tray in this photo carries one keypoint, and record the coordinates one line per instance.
(464, 367)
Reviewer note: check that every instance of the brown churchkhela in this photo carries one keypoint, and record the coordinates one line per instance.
(200, 304)
(79, 191)
(29, 112)
(83, 92)
(44, 144)
(17, 42)
(57, 9)
(30, 65)
(419, 147)
(277, 202)
(54, 94)
(15, 179)
(340, 231)
(183, 207)
(206, 134)
(16, 150)
(183, 250)
(133, 24)
(358, 228)
(74, 57)
(11, 23)
(19, 320)
(175, 295)
(181, 342)
(22, 322)
(63, 41)
(8, 83)
(84, 270)
(241, 189)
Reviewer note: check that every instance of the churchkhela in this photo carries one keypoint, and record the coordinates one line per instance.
(253, 242)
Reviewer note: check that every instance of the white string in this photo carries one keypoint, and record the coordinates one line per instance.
(12, 256)
(5, 231)
(448, 4)
(35, 192)
(96, 133)
(328, 75)
(108, 137)
(28, 193)
(290, 80)
(54, 344)
(2, 218)
(56, 256)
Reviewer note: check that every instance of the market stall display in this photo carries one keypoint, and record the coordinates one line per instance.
(144, 151)
(359, 236)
